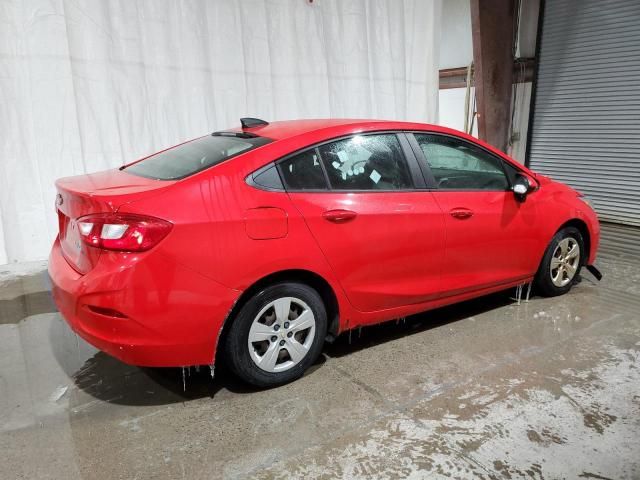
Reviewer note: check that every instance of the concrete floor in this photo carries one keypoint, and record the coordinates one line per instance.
(487, 389)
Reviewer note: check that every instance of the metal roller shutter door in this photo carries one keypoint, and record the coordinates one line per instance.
(586, 123)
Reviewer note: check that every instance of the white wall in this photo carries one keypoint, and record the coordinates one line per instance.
(456, 44)
(456, 50)
(92, 84)
(451, 108)
(3, 251)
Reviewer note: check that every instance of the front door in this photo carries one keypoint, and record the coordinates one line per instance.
(490, 234)
(383, 237)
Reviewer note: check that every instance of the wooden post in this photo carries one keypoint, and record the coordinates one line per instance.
(492, 29)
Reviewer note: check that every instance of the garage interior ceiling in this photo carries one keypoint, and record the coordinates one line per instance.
(87, 86)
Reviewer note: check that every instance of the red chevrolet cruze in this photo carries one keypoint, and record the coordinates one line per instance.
(253, 245)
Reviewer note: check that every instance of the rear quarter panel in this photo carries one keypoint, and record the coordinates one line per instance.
(220, 233)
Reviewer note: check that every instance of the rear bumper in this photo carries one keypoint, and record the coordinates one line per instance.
(142, 309)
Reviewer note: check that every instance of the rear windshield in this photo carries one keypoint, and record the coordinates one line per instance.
(194, 156)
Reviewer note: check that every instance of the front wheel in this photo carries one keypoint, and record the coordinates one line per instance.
(277, 334)
(561, 263)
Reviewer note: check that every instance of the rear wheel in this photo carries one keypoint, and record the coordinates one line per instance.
(561, 263)
(277, 334)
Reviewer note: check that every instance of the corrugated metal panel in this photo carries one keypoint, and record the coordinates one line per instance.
(586, 124)
(619, 241)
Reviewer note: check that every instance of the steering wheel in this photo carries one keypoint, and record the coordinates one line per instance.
(353, 166)
(443, 182)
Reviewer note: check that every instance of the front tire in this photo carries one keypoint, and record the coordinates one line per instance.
(277, 334)
(561, 264)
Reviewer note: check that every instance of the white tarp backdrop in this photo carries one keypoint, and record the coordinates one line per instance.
(87, 85)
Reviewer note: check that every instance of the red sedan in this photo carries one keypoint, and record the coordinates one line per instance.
(253, 245)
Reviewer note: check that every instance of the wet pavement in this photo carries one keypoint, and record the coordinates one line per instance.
(486, 389)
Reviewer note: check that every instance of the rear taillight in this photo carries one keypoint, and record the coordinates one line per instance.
(122, 232)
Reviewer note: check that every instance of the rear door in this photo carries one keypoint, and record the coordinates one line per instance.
(382, 233)
(491, 236)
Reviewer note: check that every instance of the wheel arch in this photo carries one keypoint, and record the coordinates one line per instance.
(581, 226)
(307, 277)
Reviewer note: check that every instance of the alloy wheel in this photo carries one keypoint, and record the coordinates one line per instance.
(281, 335)
(565, 262)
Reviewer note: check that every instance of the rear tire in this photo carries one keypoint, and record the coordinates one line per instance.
(277, 335)
(561, 264)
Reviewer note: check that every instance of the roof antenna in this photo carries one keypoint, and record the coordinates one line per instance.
(249, 122)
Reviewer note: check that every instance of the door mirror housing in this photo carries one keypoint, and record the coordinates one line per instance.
(521, 186)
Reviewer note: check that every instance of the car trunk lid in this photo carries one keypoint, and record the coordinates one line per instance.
(102, 192)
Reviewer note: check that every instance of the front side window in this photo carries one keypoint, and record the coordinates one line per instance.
(458, 165)
(194, 156)
(366, 162)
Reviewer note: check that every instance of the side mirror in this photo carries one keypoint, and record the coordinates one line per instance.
(521, 186)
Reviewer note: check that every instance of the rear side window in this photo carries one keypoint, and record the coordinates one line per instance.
(268, 178)
(303, 172)
(194, 156)
(366, 162)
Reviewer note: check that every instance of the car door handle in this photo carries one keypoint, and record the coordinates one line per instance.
(461, 213)
(339, 215)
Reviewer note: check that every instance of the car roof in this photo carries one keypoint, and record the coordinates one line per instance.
(320, 129)
(290, 128)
